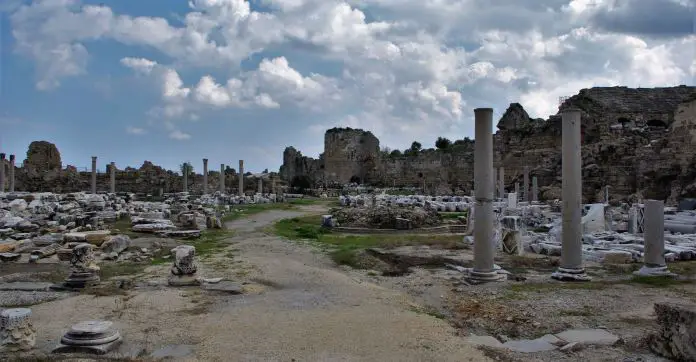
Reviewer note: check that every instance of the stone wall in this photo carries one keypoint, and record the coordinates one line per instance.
(636, 141)
(350, 155)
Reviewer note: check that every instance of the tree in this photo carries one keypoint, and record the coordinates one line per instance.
(183, 168)
(265, 171)
(442, 143)
(395, 153)
(416, 146)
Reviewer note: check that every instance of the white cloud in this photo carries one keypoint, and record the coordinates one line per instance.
(179, 136)
(404, 69)
(135, 130)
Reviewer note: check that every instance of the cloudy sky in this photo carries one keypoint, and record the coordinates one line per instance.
(175, 80)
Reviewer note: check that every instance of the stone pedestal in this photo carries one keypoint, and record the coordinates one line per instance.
(183, 272)
(83, 270)
(96, 337)
(511, 240)
(205, 176)
(16, 331)
(571, 255)
(12, 173)
(484, 246)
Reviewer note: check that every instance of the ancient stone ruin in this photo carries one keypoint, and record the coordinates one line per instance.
(631, 142)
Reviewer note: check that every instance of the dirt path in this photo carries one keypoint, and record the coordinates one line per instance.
(300, 308)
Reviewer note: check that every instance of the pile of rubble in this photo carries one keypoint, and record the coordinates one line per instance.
(438, 203)
(386, 217)
(34, 226)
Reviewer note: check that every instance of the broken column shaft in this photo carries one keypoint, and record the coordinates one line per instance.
(654, 239)
(12, 173)
(205, 176)
(571, 253)
(501, 182)
(222, 178)
(260, 185)
(241, 177)
(535, 189)
(525, 184)
(94, 174)
(112, 174)
(484, 248)
(2, 172)
(185, 172)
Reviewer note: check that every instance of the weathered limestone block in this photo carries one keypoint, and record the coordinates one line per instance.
(676, 338)
(183, 272)
(16, 331)
(116, 244)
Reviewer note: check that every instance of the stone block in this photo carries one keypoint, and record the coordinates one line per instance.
(676, 337)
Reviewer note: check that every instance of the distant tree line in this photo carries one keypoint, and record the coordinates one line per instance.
(442, 144)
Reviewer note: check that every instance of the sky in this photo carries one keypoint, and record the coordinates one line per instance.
(173, 81)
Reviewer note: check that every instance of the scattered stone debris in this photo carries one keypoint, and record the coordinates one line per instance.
(676, 338)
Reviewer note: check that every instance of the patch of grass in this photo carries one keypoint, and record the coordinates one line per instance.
(429, 310)
(658, 281)
(240, 211)
(211, 241)
(346, 247)
(124, 227)
(585, 311)
(307, 201)
(684, 268)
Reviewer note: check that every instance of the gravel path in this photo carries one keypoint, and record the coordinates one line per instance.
(300, 307)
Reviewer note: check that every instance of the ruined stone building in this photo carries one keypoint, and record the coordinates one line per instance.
(639, 142)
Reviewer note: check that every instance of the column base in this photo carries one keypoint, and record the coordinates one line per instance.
(657, 271)
(477, 277)
(571, 275)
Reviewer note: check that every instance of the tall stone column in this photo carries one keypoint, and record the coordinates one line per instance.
(12, 173)
(94, 174)
(2, 172)
(571, 253)
(185, 172)
(260, 185)
(606, 194)
(654, 240)
(517, 190)
(205, 176)
(112, 172)
(501, 182)
(241, 177)
(484, 248)
(535, 189)
(222, 178)
(525, 184)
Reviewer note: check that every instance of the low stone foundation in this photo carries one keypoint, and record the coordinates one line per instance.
(676, 338)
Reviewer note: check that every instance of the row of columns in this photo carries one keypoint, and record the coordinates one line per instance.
(571, 267)
(526, 195)
(112, 172)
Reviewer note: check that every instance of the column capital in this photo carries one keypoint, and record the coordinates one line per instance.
(12, 157)
(205, 160)
(2, 156)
